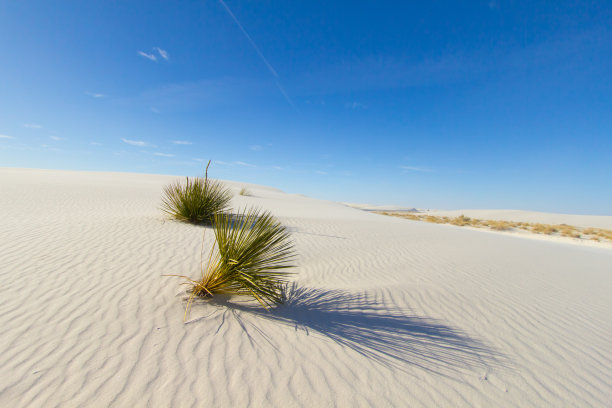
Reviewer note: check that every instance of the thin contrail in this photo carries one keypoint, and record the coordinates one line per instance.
(258, 51)
(286, 95)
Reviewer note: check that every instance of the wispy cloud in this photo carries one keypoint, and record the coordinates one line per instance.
(6, 137)
(323, 173)
(50, 148)
(151, 57)
(241, 163)
(355, 105)
(162, 53)
(137, 143)
(163, 154)
(416, 168)
(154, 110)
(256, 148)
(95, 95)
(32, 126)
(234, 163)
(181, 142)
(56, 138)
(95, 143)
(258, 51)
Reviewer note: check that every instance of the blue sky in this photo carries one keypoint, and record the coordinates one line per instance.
(475, 104)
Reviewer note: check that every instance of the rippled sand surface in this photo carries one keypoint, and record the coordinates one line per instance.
(383, 311)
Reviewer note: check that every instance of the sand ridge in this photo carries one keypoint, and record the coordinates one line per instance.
(384, 312)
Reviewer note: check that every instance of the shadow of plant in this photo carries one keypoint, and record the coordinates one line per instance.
(373, 330)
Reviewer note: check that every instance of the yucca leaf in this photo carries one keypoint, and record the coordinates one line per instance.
(252, 255)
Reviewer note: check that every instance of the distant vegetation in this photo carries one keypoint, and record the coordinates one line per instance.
(196, 201)
(594, 234)
(245, 192)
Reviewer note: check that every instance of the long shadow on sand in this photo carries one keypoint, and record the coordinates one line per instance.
(374, 330)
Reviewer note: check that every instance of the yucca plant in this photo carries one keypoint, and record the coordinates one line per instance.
(196, 201)
(252, 254)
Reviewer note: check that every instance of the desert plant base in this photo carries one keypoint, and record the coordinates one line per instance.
(563, 230)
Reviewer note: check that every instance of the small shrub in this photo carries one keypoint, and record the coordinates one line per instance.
(569, 232)
(544, 229)
(461, 221)
(196, 201)
(475, 222)
(434, 219)
(500, 225)
(253, 252)
(598, 233)
(244, 192)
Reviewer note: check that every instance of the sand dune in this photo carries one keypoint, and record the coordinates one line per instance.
(384, 312)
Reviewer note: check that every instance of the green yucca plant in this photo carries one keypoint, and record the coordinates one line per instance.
(196, 201)
(252, 254)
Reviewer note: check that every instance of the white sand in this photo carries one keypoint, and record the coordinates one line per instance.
(387, 312)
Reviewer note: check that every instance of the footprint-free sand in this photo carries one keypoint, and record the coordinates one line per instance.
(382, 312)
